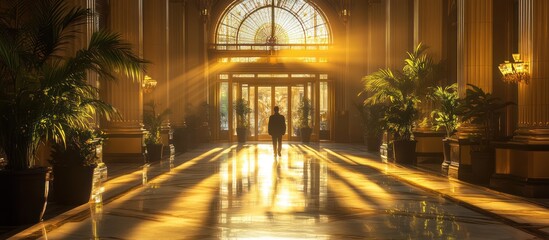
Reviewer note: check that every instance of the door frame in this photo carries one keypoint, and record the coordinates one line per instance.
(310, 81)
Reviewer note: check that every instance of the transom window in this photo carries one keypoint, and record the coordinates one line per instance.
(272, 22)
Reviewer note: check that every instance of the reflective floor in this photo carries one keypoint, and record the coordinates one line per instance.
(322, 191)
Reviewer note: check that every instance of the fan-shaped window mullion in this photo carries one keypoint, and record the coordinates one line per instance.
(244, 20)
(248, 21)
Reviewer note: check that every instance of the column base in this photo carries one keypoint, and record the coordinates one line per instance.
(522, 168)
(429, 148)
(124, 145)
(460, 165)
(533, 188)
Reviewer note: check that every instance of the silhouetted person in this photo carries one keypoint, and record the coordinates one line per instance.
(277, 128)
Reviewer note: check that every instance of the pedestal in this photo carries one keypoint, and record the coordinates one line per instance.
(522, 169)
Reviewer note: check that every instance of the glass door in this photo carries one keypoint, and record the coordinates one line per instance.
(267, 98)
(288, 96)
(263, 111)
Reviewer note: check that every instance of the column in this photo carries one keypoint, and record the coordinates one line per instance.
(177, 62)
(533, 100)
(178, 83)
(155, 50)
(474, 66)
(522, 165)
(428, 21)
(125, 136)
(475, 44)
(398, 32)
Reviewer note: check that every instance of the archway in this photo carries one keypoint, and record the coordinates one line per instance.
(272, 52)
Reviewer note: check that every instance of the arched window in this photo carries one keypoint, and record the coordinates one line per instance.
(272, 22)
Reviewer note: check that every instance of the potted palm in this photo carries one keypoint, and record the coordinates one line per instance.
(74, 163)
(153, 124)
(372, 116)
(445, 115)
(304, 111)
(40, 85)
(242, 110)
(399, 119)
(481, 109)
(401, 91)
(396, 90)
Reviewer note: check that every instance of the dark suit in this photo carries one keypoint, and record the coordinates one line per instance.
(277, 128)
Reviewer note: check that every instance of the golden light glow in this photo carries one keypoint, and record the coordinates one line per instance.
(149, 84)
(515, 72)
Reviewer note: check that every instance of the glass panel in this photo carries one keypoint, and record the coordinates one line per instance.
(311, 98)
(303, 75)
(243, 75)
(252, 129)
(323, 108)
(281, 100)
(263, 109)
(249, 22)
(297, 96)
(235, 96)
(264, 75)
(224, 107)
(245, 96)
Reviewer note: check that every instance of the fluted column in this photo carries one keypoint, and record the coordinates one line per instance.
(155, 49)
(177, 62)
(376, 38)
(125, 136)
(428, 20)
(398, 37)
(474, 53)
(533, 99)
(474, 66)
(475, 44)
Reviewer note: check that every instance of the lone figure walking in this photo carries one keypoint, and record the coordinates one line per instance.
(277, 128)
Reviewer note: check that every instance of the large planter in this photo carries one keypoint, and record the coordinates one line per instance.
(373, 142)
(24, 196)
(404, 152)
(306, 134)
(72, 185)
(154, 152)
(447, 150)
(482, 164)
(241, 134)
(180, 140)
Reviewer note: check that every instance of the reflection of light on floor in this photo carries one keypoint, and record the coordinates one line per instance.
(276, 191)
(354, 181)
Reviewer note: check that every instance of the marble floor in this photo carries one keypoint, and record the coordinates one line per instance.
(314, 191)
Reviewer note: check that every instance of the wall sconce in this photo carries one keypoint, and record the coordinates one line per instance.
(345, 12)
(515, 72)
(149, 84)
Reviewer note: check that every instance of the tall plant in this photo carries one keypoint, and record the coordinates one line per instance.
(242, 110)
(480, 107)
(402, 91)
(43, 89)
(446, 113)
(153, 122)
(304, 112)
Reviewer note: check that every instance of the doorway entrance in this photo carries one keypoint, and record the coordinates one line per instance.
(263, 92)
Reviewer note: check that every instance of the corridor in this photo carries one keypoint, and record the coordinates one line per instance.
(314, 191)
